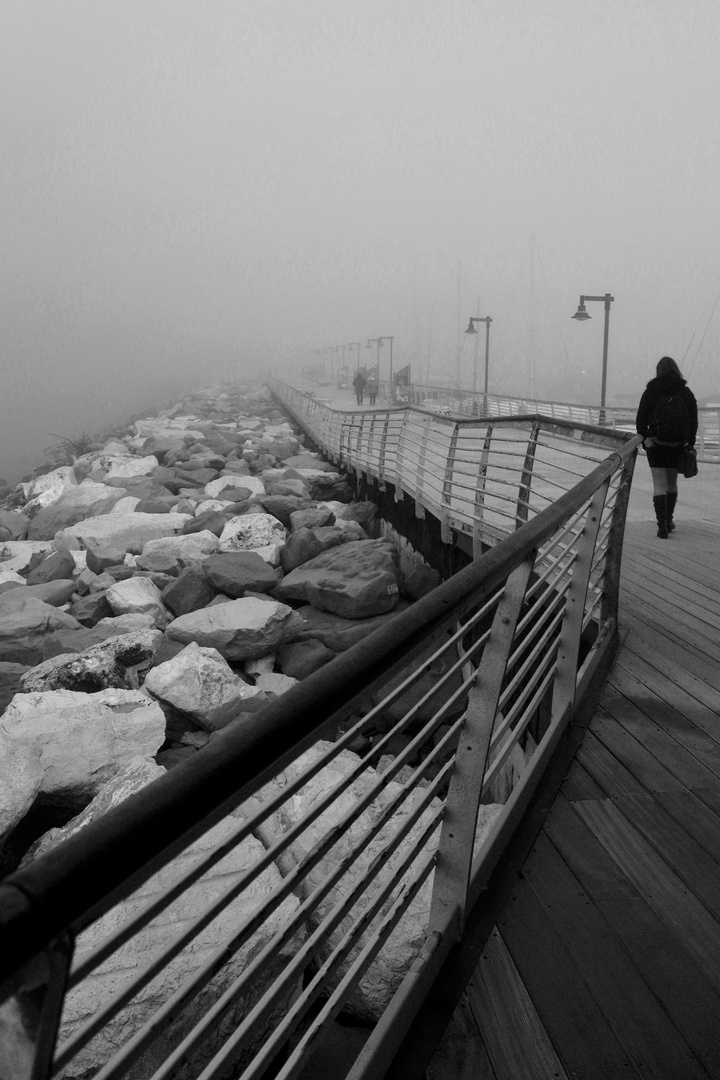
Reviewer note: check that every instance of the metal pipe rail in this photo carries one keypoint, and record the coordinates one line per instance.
(458, 401)
(218, 919)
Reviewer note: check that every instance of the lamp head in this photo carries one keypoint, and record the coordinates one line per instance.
(471, 328)
(581, 314)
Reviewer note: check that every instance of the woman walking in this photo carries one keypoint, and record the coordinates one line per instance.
(667, 420)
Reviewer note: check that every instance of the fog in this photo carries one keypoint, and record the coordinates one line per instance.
(193, 189)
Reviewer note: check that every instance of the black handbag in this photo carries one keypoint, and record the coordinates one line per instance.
(689, 463)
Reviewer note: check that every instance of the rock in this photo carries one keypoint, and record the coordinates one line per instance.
(305, 544)
(24, 625)
(201, 684)
(10, 682)
(21, 776)
(362, 512)
(55, 565)
(239, 629)
(337, 633)
(313, 518)
(354, 580)
(159, 562)
(55, 593)
(120, 661)
(83, 739)
(261, 665)
(47, 488)
(158, 505)
(211, 520)
(100, 558)
(254, 532)
(281, 486)
(129, 532)
(128, 505)
(8, 579)
(420, 581)
(121, 467)
(309, 461)
(19, 555)
(189, 547)
(189, 591)
(67, 641)
(82, 1001)
(234, 572)
(17, 524)
(76, 503)
(234, 480)
(275, 683)
(90, 609)
(300, 658)
(138, 596)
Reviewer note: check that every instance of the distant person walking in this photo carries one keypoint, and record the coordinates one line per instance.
(372, 388)
(667, 419)
(359, 383)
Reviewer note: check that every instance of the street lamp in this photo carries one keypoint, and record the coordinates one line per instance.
(381, 341)
(581, 315)
(471, 330)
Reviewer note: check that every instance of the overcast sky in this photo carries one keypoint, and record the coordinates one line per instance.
(190, 186)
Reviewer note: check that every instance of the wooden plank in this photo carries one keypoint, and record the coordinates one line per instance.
(695, 573)
(605, 769)
(662, 656)
(630, 1005)
(682, 989)
(579, 784)
(461, 1054)
(698, 868)
(670, 640)
(689, 614)
(630, 751)
(673, 707)
(515, 1038)
(580, 1033)
(648, 719)
(663, 890)
(695, 815)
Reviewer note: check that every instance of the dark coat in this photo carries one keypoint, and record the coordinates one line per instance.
(359, 381)
(663, 456)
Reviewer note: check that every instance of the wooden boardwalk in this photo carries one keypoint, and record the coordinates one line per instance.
(605, 960)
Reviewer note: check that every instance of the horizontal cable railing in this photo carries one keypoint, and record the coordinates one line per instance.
(319, 856)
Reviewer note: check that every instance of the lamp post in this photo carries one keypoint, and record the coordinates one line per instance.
(471, 330)
(356, 345)
(581, 315)
(381, 341)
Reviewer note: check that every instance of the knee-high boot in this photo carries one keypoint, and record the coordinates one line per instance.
(671, 500)
(660, 504)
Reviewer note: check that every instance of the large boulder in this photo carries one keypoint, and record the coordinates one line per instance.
(25, 623)
(255, 532)
(252, 483)
(189, 591)
(354, 580)
(138, 596)
(55, 593)
(83, 739)
(121, 467)
(129, 532)
(120, 662)
(236, 572)
(82, 1001)
(190, 547)
(15, 524)
(21, 776)
(55, 566)
(199, 683)
(239, 629)
(47, 488)
(88, 499)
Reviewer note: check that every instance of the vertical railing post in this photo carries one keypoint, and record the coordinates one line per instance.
(446, 506)
(613, 558)
(523, 499)
(420, 489)
(571, 629)
(479, 505)
(457, 836)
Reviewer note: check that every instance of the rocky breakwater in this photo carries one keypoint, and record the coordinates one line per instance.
(161, 586)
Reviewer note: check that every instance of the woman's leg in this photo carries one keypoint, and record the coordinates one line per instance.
(672, 494)
(660, 498)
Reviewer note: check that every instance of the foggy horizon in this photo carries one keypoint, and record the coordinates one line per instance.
(193, 191)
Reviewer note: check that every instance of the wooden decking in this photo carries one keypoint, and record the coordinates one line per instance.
(605, 960)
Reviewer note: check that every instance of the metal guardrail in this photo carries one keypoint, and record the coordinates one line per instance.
(216, 921)
(461, 402)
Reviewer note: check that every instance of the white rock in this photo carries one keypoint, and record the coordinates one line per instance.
(255, 532)
(191, 546)
(279, 431)
(128, 624)
(261, 665)
(16, 554)
(275, 683)
(21, 775)
(126, 505)
(128, 532)
(114, 447)
(200, 683)
(10, 575)
(253, 483)
(211, 504)
(84, 739)
(118, 467)
(55, 481)
(239, 629)
(138, 596)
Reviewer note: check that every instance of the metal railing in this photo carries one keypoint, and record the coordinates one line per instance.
(320, 855)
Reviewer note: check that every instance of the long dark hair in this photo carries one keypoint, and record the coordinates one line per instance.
(667, 366)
